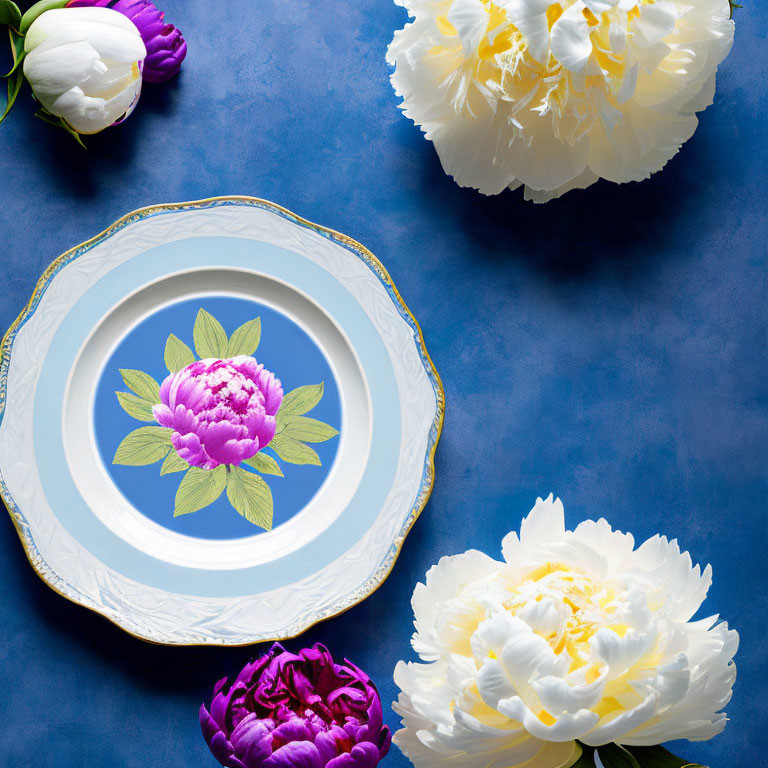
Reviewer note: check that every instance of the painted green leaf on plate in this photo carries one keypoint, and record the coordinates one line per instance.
(251, 497)
(307, 430)
(173, 463)
(199, 488)
(144, 445)
(177, 354)
(245, 340)
(293, 451)
(137, 407)
(142, 384)
(265, 464)
(209, 336)
(301, 400)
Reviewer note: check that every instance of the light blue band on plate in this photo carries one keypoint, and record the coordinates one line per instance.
(292, 268)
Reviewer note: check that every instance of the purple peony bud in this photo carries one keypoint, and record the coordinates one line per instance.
(291, 711)
(166, 47)
(220, 411)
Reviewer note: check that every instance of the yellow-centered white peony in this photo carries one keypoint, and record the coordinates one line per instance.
(577, 635)
(554, 95)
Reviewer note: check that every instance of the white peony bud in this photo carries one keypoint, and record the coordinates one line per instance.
(84, 65)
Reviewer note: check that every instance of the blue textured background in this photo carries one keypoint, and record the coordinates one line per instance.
(609, 346)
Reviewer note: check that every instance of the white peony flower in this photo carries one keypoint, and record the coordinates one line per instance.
(554, 95)
(84, 65)
(577, 635)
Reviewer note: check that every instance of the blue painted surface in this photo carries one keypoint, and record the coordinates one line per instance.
(609, 346)
(285, 349)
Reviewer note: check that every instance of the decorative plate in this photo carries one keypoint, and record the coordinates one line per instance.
(217, 423)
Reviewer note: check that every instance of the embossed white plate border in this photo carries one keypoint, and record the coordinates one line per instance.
(158, 615)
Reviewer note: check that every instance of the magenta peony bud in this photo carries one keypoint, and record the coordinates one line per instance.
(286, 710)
(166, 47)
(220, 411)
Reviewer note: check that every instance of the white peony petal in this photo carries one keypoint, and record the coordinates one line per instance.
(494, 683)
(470, 19)
(617, 35)
(614, 729)
(444, 582)
(558, 697)
(615, 546)
(544, 523)
(585, 179)
(58, 19)
(571, 725)
(619, 653)
(570, 38)
(455, 734)
(111, 33)
(530, 17)
(543, 615)
(655, 22)
(108, 41)
(81, 111)
(629, 84)
(56, 71)
(703, 98)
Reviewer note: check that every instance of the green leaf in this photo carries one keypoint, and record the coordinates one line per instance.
(10, 15)
(265, 464)
(17, 49)
(142, 384)
(307, 430)
(59, 122)
(37, 10)
(136, 407)
(251, 497)
(616, 756)
(173, 463)
(293, 451)
(245, 340)
(199, 488)
(301, 399)
(586, 760)
(144, 445)
(658, 757)
(209, 337)
(15, 81)
(177, 354)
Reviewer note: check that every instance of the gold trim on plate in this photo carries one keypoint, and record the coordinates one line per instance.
(46, 573)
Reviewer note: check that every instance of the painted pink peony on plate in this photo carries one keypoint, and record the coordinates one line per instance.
(212, 417)
(288, 710)
(220, 411)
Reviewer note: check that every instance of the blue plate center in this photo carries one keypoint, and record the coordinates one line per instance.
(286, 350)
